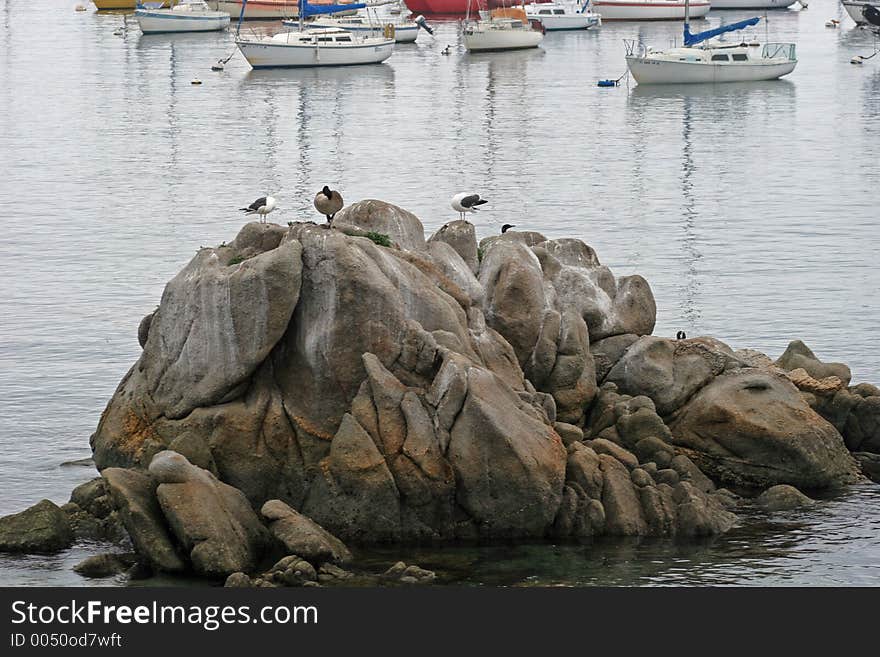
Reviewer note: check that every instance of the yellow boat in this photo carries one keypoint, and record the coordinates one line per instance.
(105, 5)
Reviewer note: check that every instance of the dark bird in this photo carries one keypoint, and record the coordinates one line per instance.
(680, 336)
(328, 202)
(506, 227)
(466, 202)
(262, 206)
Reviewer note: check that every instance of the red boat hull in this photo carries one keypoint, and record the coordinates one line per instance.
(444, 7)
(455, 7)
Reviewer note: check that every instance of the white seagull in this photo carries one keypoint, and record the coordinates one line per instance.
(262, 206)
(466, 202)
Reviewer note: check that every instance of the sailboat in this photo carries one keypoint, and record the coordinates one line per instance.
(555, 16)
(500, 29)
(183, 16)
(711, 62)
(405, 30)
(315, 47)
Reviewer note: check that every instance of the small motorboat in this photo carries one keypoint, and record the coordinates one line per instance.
(559, 16)
(702, 61)
(502, 29)
(648, 10)
(184, 16)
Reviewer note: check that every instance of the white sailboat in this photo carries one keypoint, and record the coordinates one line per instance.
(648, 10)
(711, 62)
(555, 16)
(185, 16)
(402, 29)
(310, 47)
(500, 29)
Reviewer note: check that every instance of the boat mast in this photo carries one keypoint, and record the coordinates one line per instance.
(687, 17)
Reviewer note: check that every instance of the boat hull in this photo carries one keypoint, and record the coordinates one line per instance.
(566, 22)
(110, 5)
(612, 10)
(855, 9)
(270, 55)
(652, 71)
(153, 22)
(258, 9)
(499, 40)
(752, 4)
(402, 34)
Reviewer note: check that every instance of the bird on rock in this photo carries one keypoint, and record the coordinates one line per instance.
(506, 227)
(328, 202)
(262, 206)
(681, 336)
(466, 202)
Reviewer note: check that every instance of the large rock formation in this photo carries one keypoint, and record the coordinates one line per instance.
(432, 391)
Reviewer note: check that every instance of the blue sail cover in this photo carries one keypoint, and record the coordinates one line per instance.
(692, 39)
(306, 10)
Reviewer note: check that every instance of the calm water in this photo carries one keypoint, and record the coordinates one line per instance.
(751, 209)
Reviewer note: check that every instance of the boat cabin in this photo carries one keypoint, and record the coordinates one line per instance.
(328, 36)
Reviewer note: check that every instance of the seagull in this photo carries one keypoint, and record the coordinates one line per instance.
(328, 202)
(262, 206)
(506, 227)
(466, 202)
(446, 50)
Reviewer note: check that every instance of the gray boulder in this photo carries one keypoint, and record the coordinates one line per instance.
(462, 237)
(798, 355)
(403, 227)
(41, 528)
(751, 428)
(667, 371)
(213, 521)
(134, 495)
(301, 535)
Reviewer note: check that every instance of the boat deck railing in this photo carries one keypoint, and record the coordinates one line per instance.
(779, 51)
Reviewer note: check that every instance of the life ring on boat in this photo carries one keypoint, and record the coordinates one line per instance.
(388, 31)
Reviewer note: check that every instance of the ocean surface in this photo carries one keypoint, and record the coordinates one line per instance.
(751, 209)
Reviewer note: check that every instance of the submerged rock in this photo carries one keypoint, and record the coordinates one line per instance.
(105, 565)
(782, 498)
(41, 528)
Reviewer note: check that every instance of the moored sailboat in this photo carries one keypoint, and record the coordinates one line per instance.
(700, 61)
(557, 16)
(500, 29)
(310, 47)
(183, 16)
